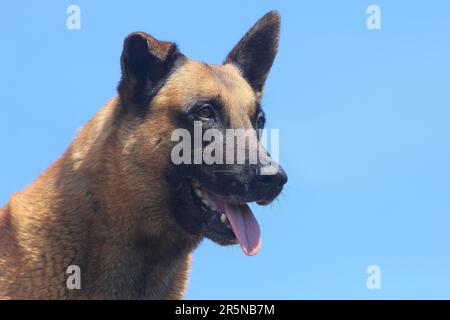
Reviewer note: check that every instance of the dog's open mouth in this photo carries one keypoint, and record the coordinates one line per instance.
(231, 222)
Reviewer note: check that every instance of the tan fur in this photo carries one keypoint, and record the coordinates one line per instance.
(104, 192)
(195, 79)
(105, 205)
(55, 223)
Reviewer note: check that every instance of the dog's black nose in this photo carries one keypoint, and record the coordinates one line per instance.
(275, 180)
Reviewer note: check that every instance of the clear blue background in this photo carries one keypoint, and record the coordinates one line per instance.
(363, 116)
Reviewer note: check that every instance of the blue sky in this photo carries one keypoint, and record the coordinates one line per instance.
(363, 117)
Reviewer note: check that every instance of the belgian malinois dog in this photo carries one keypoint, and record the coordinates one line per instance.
(116, 206)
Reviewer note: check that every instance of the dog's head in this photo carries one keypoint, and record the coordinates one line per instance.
(189, 113)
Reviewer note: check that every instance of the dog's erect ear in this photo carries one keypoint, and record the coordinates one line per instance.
(255, 53)
(145, 62)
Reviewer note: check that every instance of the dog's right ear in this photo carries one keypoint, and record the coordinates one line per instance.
(145, 63)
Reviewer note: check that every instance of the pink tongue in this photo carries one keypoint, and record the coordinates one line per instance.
(245, 227)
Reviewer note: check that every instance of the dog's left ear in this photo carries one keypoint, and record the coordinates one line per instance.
(145, 62)
(255, 53)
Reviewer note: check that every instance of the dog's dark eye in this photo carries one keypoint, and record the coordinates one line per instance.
(206, 112)
(260, 122)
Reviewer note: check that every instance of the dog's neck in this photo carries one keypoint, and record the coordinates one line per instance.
(119, 231)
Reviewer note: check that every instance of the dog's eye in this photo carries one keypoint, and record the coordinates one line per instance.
(206, 112)
(260, 122)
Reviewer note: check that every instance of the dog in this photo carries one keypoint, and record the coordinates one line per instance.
(117, 207)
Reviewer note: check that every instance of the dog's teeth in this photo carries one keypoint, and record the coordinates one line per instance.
(223, 218)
